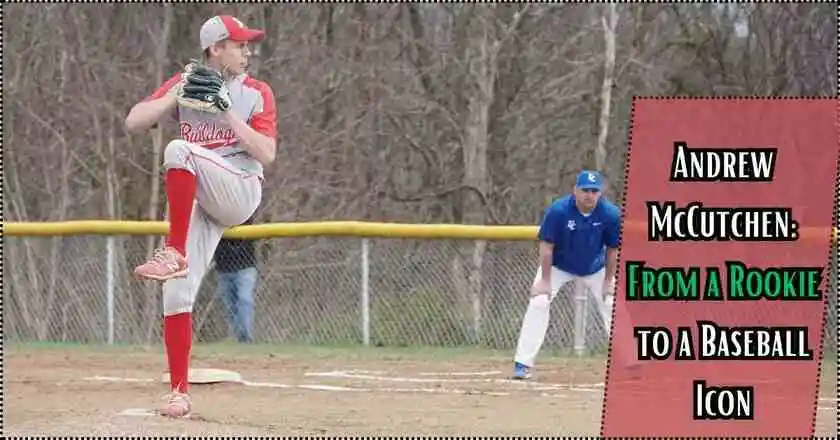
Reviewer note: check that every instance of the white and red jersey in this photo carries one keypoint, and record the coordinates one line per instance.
(252, 101)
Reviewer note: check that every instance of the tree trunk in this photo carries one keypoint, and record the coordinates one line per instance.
(151, 298)
(608, 21)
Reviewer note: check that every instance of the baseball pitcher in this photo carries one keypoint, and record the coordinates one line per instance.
(579, 237)
(213, 174)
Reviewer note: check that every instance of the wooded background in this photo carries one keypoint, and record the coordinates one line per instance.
(387, 112)
(404, 112)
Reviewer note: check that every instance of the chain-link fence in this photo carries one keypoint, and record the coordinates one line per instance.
(316, 290)
(390, 292)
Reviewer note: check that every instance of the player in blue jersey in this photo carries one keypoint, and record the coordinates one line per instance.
(579, 237)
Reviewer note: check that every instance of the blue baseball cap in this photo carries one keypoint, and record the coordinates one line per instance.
(589, 180)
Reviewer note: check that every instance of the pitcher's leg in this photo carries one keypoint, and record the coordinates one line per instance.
(180, 186)
(225, 192)
(535, 323)
(178, 299)
(193, 173)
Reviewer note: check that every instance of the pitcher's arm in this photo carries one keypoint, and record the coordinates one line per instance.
(262, 147)
(144, 115)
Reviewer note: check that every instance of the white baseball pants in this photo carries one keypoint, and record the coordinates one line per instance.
(535, 322)
(225, 195)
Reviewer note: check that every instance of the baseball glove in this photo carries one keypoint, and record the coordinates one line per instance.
(203, 88)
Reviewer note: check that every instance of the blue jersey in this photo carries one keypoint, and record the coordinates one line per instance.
(580, 241)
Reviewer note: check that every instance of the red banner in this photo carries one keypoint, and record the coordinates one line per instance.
(723, 273)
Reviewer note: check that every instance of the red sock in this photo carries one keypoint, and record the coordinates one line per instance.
(177, 336)
(180, 192)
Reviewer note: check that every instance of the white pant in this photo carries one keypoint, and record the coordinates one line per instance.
(535, 322)
(225, 196)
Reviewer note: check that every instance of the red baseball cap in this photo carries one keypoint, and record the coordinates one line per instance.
(227, 27)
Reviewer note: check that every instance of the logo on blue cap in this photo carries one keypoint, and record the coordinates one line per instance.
(589, 180)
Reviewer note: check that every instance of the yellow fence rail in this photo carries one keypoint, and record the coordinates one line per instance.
(272, 230)
(321, 228)
(372, 283)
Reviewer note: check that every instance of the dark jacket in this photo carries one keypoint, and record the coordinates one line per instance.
(233, 255)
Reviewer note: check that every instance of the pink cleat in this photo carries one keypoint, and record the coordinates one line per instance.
(178, 406)
(166, 264)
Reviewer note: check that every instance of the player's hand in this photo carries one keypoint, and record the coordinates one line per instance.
(221, 99)
(609, 288)
(541, 287)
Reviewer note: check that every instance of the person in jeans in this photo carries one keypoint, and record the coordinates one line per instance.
(236, 266)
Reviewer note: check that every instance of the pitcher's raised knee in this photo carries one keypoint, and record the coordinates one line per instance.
(177, 154)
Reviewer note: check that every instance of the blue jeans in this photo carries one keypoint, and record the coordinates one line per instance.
(237, 292)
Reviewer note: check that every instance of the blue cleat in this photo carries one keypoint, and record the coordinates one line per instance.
(521, 371)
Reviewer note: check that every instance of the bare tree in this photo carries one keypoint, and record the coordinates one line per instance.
(609, 22)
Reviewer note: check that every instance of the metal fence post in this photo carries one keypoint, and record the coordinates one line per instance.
(581, 310)
(110, 272)
(365, 297)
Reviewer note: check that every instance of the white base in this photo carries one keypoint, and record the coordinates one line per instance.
(208, 375)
